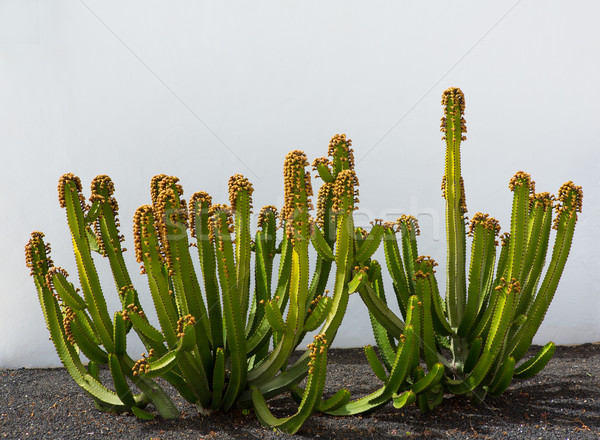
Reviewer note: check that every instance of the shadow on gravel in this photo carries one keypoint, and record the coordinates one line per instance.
(563, 401)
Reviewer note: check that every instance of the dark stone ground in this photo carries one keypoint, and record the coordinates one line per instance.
(562, 402)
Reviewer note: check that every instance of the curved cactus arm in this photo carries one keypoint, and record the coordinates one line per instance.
(429, 380)
(384, 339)
(67, 292)
(503, 377)
(281, 383)
(151, 392)
(85, 339)
(160, 366)
(340, 398)
(274, 316)
(376, 306)
(71, 199)
(453, 126)
(375, 364)
(535, 364)
(200, 203)
(93, 371)
(377, 399)
(38, 261)
(311, 397)
(325, 173)
(370, 245)
(121, 386)
(427, 400)
(570, 197)
(404, 399)
(259, 338)
(321, 246)
(142, 326)
(319, 309)
(396, 267)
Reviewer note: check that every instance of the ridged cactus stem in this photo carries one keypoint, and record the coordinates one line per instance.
(102, 189)
(453, 126)
(70, 198)
(106, 226)
(172, 217)
(265, 254)
(38, 260)
(484, 230)
(200, 204)
(570, 199)
(148, 254)
(537, 247)
(294, 216)
(234, 320)
(345, 192)
(522, 186)
(240, 197)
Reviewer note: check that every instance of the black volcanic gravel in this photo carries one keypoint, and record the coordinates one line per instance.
(562, 402)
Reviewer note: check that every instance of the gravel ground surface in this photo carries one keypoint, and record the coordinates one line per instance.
(562, 402)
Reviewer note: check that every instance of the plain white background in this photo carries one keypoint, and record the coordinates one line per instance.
(202, 90)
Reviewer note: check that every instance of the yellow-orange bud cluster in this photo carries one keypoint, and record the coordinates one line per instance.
(570, 197)
(265, 212)
(489, 223)
(411, 223)
(453, 99)
(345, 191)
(183, 322)
(238, 183)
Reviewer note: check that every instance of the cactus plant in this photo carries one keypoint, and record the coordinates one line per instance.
(227, 346)
(229, 341)
(490, 313)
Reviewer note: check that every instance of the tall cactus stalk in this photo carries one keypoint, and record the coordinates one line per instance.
(491, 311)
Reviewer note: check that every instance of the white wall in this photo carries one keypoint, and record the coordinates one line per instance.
(204, 90)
